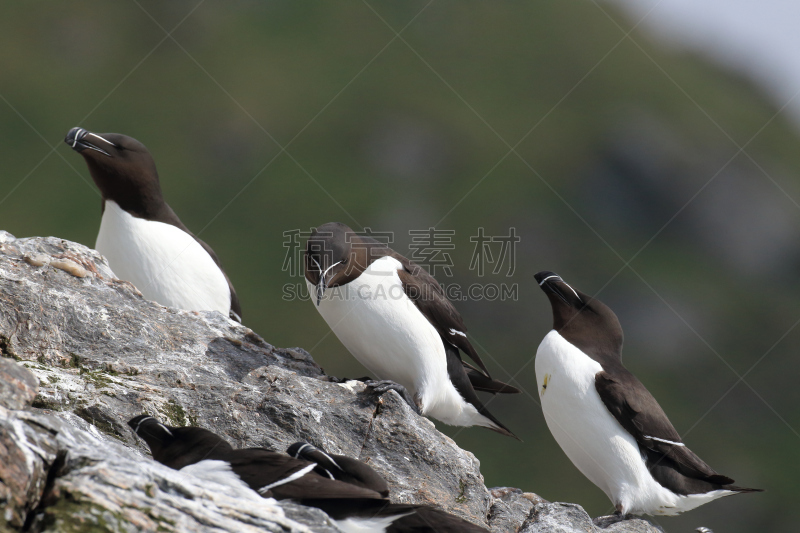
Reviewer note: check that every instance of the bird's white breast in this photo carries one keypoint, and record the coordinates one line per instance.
(165, 263)
(384, 330)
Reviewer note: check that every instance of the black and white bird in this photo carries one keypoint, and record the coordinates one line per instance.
(606, 421)
(396, 320)
(349, 491)
(340, 467)
(141, 236)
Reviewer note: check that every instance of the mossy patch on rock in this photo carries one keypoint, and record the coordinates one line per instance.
(70, 515)
(174, 413)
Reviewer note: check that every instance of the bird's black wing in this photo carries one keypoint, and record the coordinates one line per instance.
(279, 476)
(639, 413)
(408, 518)
(432, 520)
(426, 293)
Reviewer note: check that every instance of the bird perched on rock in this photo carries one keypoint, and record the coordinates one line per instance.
(141, 236)
(349, 491)
(396, 320)
(606, 421)
(340, 467)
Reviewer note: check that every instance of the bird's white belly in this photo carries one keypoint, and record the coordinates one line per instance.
(384, 330)
(220, 472)
(589, 434)
(165, 263)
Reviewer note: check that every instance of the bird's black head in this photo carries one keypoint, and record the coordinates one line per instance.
(122, 169)
(154, 433)
(177, 447)
(296, 450)
(335, 255)
(582, 320)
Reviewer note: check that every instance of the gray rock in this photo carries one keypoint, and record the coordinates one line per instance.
(102, 354)
(630, 525)
(309, 516)
(510, 508)
(18, 386)
(557, 518)
(571, 518)
(6, 237)
(66, 478)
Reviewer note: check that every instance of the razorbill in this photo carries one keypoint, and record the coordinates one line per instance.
(396, 320)
(354, 506)
(606, 421)
(141, 236)
(340, 467)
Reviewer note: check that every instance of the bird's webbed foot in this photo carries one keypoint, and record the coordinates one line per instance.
(605, 521)
(381, 386)
(345, 380)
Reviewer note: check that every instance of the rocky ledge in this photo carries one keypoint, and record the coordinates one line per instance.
(83, 352)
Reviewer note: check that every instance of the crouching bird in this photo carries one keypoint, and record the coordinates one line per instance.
(606, 421)
(396, 320)
(141, 236)
(349, 491)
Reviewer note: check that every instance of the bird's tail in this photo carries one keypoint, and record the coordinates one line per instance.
(482, 382)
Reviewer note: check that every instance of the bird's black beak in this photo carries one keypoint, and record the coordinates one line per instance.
(552, 282)
(80, 139)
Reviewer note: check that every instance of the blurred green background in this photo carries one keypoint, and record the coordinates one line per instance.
(628, 178)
